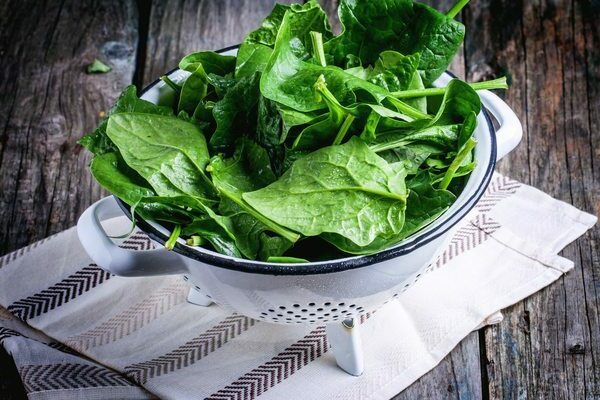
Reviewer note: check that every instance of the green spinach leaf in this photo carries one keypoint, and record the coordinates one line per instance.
(371, 27)
(347, 190)
(98, 142)
(169, 153)
(235, 114)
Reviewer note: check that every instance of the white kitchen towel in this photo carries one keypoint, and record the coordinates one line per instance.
(143, 328)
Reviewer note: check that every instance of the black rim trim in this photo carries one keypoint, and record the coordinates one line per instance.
(264, 268)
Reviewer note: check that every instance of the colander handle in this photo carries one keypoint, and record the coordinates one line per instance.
(510, 132)
(123, 262)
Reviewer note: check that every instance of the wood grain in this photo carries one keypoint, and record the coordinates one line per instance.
(48, 102)
(547, 347)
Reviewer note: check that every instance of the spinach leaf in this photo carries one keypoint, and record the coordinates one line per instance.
(211, 62)
(251, 58)
(450, 128)
(220, 238)
(425, 203)
(444, 136)
(347, 190)
(169, 153)
(98, 142)
(272, 246)
(423, 206)
(306, 18)
(394, 71)
(114, 175)
(370, 27)
(272, 128)
(412, 156)
(459, 102)
(98, 67)
(194, 89)
(165, 209)
(248, 170)
(201, 65)
(420, 103)
(235, 114)
(267, 33)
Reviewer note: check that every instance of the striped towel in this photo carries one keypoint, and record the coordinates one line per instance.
(76, 331)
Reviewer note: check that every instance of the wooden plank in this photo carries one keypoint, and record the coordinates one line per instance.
(548, 346)
(457, 376)
(48, 102)
(182, 27)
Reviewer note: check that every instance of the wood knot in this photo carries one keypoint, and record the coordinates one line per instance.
(576, 348)
(117, 50)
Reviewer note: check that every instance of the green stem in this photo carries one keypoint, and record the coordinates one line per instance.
(379, 147)
(169, 244)
(343, 129)
(195, 241)
(171, 84)
(499, 83)
(317, 45)
(459, 5)
(322, 90)
(456, 163)
(407, 110)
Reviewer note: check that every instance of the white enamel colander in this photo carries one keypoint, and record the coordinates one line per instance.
(331, 292)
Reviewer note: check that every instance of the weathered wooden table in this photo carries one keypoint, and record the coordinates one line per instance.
(547, 347)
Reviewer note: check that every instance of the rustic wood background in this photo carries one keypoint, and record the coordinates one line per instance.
(547, 347)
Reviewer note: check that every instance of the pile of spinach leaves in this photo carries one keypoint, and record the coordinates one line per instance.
(305, 144)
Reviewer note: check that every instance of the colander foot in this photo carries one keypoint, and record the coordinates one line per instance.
(347, 346)
(198, 298)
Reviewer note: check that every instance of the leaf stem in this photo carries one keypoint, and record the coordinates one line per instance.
(171, 84)
(317, 45)
(379, 147)
(459, 5)
(499, 83)
(343, 129)
(406, 109)
(195, 241)
(169, 244)
(464, 152)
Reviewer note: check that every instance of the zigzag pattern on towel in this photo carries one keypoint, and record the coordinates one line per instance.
(254, 383)
(72, 286)
(192, 351)
(6, 333)
(468, 237)
(10, 257)
(274, 371)
(55, 296)
(37, 378)
(499, 188)
(133, 318)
